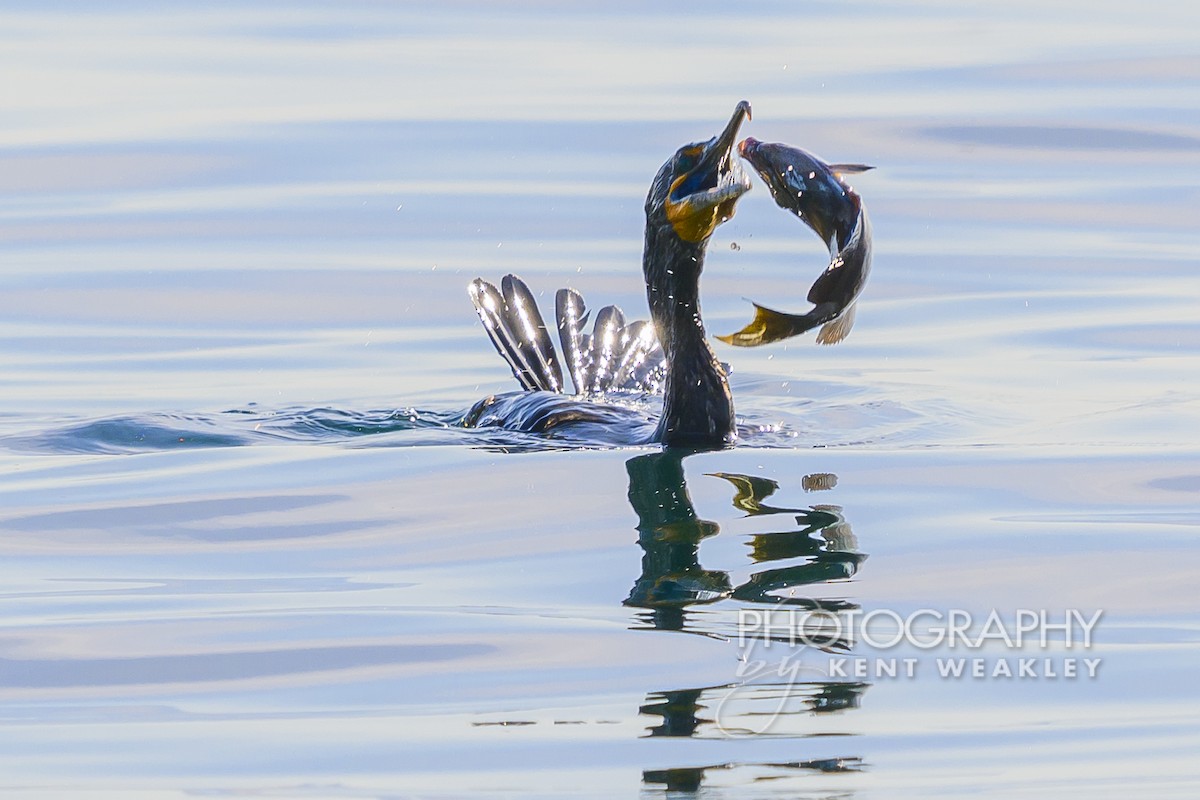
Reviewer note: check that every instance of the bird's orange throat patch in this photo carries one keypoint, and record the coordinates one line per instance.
(693, 222)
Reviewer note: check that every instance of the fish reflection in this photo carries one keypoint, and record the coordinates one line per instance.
(670, 533)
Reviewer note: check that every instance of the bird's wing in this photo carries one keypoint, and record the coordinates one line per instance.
(533, 339)
(572, 316)
(606, 348)
(515, 326)
(643, 366)
(614, 356)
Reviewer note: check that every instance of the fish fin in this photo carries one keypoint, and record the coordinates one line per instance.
(835, 330)
(528, 330)
(849, 169)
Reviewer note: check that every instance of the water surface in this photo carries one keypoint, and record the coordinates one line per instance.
(248, 552)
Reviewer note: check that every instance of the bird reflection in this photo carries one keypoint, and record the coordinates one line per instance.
(679, 710)
(689, 780)
(670, 533)
(740, 710)
(821, 548)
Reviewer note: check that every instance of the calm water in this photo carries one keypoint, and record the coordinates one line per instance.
(246, 552)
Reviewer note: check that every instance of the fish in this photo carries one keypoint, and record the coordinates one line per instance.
(815, 192)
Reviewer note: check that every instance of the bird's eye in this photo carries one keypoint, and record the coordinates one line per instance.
(687, 158)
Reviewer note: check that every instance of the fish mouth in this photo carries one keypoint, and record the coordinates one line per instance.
(710, 182)
(775, 164)
(747, 147)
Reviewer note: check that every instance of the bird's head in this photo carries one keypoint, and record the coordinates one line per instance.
(697, 188)
(808, 187)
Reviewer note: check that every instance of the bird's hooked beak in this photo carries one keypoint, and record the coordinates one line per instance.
(709, 182)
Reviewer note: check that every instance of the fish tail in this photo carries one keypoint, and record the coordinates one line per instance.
(770, 326)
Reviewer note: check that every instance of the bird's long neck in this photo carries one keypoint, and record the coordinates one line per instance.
(697, 407)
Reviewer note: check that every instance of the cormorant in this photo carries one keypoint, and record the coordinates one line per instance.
(694, 192)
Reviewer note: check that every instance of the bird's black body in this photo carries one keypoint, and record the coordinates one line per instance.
(815, 192)
(694, 192)
(697, 404)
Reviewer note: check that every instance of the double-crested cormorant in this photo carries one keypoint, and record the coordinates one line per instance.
(815, 192)
(694, 192)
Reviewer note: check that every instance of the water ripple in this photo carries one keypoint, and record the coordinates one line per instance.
(154, 432)
(765, 426)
